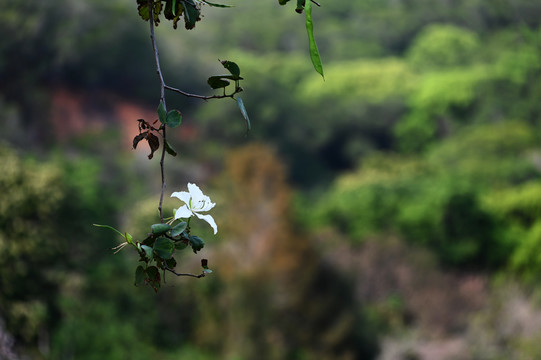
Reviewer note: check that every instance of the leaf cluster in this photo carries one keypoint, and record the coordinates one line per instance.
(157, 249)
(174, 10)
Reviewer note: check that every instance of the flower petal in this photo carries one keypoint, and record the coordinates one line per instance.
(183, 213)
(182, 196)
(195, 192)
(210, 220)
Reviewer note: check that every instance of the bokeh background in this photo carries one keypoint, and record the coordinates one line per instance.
(392, 211)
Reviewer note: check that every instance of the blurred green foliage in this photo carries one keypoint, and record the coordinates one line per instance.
(426, 130)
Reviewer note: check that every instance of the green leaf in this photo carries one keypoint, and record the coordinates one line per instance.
(142, 8)
(139, 275)
(217, 82)
(217, 5)
(197, 243)
(148, 251)
(154, 277)
(181, 245)
(178, 228)
(240, 103)
(171, 263)
(300, 6)
(164, 247)
(282, 2)
(162, 115)
(169, 148)
(191, 14)
(160, 229)
(129, 238)
(110, 227)
(232, 67)
(174, 118)
(314, 52)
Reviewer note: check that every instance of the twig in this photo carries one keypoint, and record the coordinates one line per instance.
(318, 4)
(162, 99)
(202, 97)
(183, 274)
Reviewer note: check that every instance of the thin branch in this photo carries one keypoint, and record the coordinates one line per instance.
(318, 4)
(162, 99)
(203, 97)
(183, 274)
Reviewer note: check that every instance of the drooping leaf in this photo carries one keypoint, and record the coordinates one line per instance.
(169, 148)
(139, 275)
(162, 114)
(157, 11)
(160, 229)
(164, 247)
(154, 144)
(178, 229)
(142, 8)
(137, 139)
(154, 277)
(217, 82)
(240, 103)
(300, 6)
(314, 52)
(233, 68)
(174, 118)
(196, 243)
(192, 14)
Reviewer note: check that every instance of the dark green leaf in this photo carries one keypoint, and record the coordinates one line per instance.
(174, 118)
(314, 52)
(240, 103)
(282, 2)
(139, 275)
(169, 149)
(162, 114)
(171, 263)
(148, 251)
(160, 229)
(138, 138)
(300, 6)
(232, 67)
(154, 277)
(164, 247)
(191, 14)
(217, 82)
(178, 228)
(154, 144)
(180, 245)
(197, 243)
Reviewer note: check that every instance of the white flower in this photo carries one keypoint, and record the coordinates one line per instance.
(196, 202)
